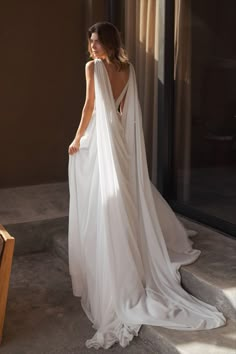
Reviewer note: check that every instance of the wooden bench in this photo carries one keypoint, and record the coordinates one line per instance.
(7, 243)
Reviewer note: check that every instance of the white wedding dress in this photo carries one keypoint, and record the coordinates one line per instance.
(125, 243)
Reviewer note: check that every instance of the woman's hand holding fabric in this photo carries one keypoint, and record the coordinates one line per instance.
(74, 146)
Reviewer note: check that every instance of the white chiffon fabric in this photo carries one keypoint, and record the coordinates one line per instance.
(125, 243)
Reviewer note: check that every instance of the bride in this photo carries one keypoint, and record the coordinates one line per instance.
(125, 243)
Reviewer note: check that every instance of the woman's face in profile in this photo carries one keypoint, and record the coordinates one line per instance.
(96, 47)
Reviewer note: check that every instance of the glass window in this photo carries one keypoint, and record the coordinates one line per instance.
(204, 151)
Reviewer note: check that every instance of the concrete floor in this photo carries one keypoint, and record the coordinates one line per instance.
(43, 317)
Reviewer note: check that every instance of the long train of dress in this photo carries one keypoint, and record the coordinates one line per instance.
(125, 243)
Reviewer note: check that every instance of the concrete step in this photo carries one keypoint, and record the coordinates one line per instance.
(215, 341)
(36, 236)
(33, 214)
(34, 203)
(212, 278)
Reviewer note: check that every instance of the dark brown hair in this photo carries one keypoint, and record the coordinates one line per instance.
(110, 39)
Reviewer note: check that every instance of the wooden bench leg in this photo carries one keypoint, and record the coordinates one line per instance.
(5, 271)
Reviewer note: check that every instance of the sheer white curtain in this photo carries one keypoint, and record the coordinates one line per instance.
(141, 42)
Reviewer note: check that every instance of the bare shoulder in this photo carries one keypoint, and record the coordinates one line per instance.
(89, 67)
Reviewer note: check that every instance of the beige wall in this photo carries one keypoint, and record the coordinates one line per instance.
(43, 52)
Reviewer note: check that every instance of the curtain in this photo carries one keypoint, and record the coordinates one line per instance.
(141, 42)
(96, 11)
(183, 119)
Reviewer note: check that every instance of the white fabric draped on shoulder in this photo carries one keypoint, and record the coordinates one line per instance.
(125, 243)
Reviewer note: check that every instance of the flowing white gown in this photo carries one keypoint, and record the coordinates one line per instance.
(125, 243)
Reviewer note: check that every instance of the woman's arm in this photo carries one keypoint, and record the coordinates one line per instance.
(87, 109)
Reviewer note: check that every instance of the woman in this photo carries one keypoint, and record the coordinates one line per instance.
(125, 243)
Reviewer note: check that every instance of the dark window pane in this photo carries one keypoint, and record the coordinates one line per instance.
(205, 107)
